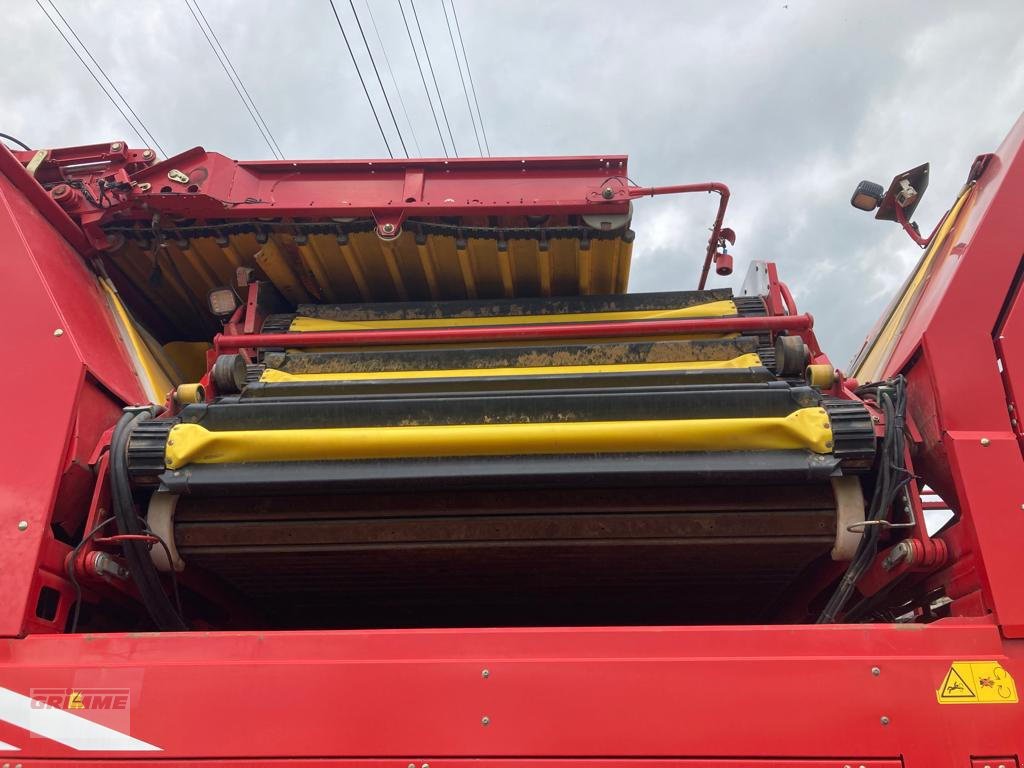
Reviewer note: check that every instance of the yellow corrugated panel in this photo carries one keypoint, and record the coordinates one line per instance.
(625, 258)
(272, 375)
(563, 255)
(806, 429)
(275, 265)
(310, 257)
(219, 259)
(365, 268)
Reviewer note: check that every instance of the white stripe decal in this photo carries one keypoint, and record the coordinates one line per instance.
(63, 727)
(5, 747)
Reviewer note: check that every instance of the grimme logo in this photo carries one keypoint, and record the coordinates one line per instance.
(80, 699)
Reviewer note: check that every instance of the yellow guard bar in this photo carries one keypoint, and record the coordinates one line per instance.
(750, 360)
(807, 428)
(711, 309)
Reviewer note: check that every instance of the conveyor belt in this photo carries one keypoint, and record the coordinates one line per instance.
(454, 557)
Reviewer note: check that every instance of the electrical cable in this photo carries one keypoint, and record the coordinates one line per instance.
(143, 571)
(16, 141)
(70, 567)
(469, 72)
(394, 80)
(362, 82)
(465, 90)
(891, 479)
(430, 66)
(91, 73)
(241, 82)
(423, 78)
(234, 85)
(373, 63)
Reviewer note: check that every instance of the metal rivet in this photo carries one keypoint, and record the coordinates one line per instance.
(485, 673)
(58, 331)
(607, 193)
(147, 154)
(412, 765)
(23, 525)
(425, 765)
(116, 146)
(876, 671)
(885, 720)
(985, 442)
(485, 720)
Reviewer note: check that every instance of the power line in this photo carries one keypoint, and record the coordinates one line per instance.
(239, 79)
(423, 78)
(92, 74)
(459, 67)
(469, 72)
(387, 61)
(234, 85)
(113, 85)
(430, 66)
(360, 74)
(373, 63)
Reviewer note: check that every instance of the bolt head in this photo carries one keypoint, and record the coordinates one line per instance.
(58, 331)
(388, 228)
(607, 193)
(485, 720)
(147, 154)
(985, 442)
(876, 671)
(116, 146)
(885, 720)
(23, 525)
(485, 673)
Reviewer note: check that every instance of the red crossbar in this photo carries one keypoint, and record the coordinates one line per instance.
(792, 323)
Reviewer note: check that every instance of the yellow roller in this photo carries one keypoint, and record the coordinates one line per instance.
(272, 375)
(807, 428)
(711, 309)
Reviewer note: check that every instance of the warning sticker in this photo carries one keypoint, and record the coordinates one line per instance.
(977, 682)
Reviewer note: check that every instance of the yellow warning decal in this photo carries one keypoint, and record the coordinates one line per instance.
(977, 682)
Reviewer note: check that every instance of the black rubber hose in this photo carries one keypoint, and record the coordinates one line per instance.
(143, 571)
(12, 139)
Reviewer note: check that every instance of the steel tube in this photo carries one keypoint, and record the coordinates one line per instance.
(516, 332)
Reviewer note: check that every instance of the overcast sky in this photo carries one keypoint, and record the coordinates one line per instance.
(790, 103)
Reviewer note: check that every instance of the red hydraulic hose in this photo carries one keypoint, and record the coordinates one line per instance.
(604, 330)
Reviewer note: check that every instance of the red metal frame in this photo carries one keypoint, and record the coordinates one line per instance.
(200, 184)
(812, 696)
(794, 323)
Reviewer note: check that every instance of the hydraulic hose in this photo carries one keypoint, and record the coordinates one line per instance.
(143, 571)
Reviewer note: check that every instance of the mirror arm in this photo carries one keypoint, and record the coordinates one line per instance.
(924, 242)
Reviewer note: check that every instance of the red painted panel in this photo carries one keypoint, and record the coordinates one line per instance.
(417, 695)
(56, 326)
